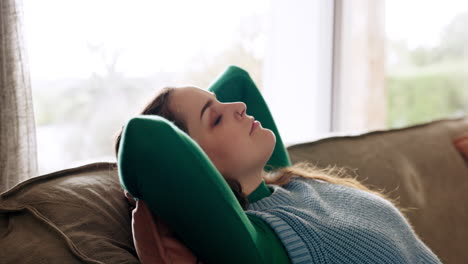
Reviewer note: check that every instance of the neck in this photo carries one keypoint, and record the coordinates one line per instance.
(250, 182)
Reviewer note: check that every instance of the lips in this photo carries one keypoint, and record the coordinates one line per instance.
(253, 125)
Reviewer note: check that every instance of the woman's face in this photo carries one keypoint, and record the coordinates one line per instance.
(223, 131)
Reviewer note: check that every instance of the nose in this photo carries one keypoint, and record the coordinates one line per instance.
(241, 109)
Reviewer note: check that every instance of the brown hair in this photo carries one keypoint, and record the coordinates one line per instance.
(159, 105)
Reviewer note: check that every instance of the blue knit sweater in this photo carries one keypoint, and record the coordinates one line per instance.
(320, 222)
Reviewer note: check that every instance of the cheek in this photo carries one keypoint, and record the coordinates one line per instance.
(228, 145)
(235, 139)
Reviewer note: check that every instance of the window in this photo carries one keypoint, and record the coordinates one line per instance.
(94, 64)
(427, 59)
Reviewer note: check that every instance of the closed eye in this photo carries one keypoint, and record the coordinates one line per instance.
(218, 120)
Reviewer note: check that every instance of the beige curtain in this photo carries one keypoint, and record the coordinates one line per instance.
(18, 156)
(359, 93)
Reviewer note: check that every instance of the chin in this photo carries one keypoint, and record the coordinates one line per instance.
(272, 135)
(271, 139)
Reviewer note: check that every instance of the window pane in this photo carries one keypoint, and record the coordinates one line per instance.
(427, 51)
(95, 64)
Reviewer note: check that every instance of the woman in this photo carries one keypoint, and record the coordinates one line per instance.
(303, 215)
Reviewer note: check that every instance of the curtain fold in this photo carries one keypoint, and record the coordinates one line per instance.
(359, 92)
(18, 151)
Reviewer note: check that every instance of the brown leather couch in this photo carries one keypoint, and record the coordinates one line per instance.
(80, 215)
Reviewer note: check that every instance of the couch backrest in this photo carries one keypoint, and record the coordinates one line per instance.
(78, 215)
(417, 165)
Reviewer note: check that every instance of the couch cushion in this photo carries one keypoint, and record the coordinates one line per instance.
(417, 164)
(78, 215)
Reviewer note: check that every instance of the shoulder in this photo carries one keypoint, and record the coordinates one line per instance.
(334, 191)
(304, 181)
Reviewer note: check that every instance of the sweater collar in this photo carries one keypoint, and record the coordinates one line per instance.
(260, 192)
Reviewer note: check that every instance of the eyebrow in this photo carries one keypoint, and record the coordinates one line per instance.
(207, 104)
